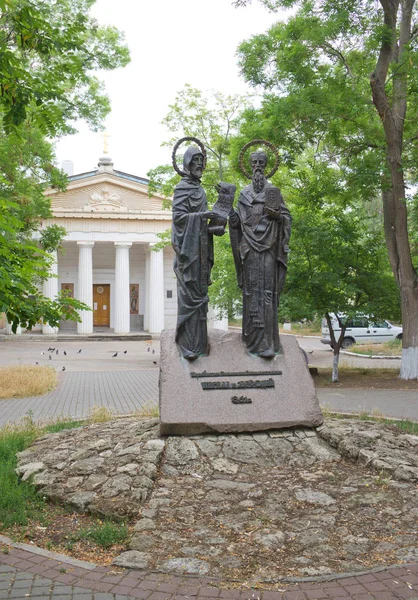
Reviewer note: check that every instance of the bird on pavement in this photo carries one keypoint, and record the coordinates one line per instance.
(50, 357)
(42, 352)
(113, 355)
(125, 351)
(63, 369)
(36, 363)
(155, 362)
(65, 353)
(148, 349)
(56, 352)
(79, 352)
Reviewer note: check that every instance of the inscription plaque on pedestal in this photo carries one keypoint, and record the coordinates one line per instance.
(196, 397)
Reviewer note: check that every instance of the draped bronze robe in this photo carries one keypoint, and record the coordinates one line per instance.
(193, 245)
(260, 247)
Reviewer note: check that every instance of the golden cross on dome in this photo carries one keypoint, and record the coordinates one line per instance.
(105, 137)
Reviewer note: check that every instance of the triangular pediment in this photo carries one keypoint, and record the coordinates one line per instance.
(104, 193)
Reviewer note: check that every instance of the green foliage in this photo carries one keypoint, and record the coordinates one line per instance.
(48, 51)
(18, 500)
(105, 534)
(317, 73)
(62, 425)
(337, 261)
(214, 119)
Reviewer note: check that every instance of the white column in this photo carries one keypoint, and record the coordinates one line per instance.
(147, 302)
(10, 332)
(85, 285)
(122, 316)
(50, 290)
(156, 291)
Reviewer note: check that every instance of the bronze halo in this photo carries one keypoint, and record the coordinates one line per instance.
(188, 138)
(269, 145)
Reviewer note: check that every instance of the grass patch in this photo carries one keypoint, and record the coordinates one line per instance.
(148, 410)
(235, 323)
(309, 328)
(19, 501)
(404, 425)
(100, 414)
(60, 425)
(365, 378)
(392, 348)
(105, 534)
(22, 381)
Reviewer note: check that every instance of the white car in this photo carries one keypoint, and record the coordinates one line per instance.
(361, 330)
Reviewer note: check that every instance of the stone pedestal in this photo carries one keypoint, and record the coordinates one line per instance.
(247, 393)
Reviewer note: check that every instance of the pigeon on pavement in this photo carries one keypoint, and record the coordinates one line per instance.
(113, 355)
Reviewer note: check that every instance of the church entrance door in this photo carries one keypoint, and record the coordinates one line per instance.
(101, 305)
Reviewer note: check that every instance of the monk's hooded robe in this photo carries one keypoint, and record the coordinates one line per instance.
(193, 245)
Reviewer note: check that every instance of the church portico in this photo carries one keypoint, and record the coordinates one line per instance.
(109, 259)
(117, 280)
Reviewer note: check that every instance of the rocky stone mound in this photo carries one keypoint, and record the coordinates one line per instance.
(255, 507)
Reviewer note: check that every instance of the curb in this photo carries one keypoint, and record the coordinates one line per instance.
(369, 355)
(74, 562)
(62, 558)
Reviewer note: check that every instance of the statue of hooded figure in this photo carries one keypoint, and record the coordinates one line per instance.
(193, 245)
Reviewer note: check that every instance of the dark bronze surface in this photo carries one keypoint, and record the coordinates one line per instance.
(234, 374)
(241, 400)
(240, 385)
(260, 230)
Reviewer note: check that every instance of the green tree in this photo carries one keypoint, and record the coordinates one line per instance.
(337, 261)
(48, 50)
(341, 77)
(214, 119)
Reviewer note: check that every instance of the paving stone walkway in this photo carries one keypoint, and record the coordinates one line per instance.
(35, 576)
(122, 392)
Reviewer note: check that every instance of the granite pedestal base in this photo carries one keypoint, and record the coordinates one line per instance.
(232, 391)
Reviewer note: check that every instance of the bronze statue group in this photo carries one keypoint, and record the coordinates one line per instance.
(259, 229)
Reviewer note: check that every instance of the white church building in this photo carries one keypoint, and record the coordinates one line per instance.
(108, 260)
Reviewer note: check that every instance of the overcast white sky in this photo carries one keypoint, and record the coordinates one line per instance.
(172, 42)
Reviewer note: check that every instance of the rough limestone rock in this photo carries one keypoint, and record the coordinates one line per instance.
(132, 560)
(247, 506)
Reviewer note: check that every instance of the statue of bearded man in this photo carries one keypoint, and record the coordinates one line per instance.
(193, 245)
(260, 234)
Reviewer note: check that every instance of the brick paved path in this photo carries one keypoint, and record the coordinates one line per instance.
(122, 392)
(25, 574)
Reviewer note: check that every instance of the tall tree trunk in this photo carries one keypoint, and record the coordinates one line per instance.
(392, 112)
(335, 361)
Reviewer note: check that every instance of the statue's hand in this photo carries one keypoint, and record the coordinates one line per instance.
(273, 214)
(208, 214)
